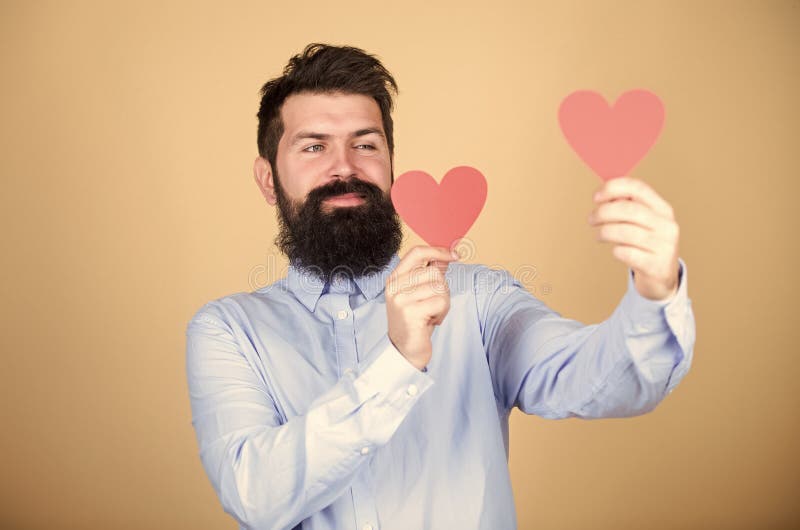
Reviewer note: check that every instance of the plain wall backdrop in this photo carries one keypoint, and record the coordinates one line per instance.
(128, 136)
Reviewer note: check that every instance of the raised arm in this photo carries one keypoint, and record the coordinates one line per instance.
(557, 367)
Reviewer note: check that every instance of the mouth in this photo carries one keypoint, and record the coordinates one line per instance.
(346, 199)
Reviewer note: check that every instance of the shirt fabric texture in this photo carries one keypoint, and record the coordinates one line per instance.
(308, 417)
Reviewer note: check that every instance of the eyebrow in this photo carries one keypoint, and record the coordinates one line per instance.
(304, 135)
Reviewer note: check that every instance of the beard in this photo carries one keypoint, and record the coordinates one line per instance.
(349, 240)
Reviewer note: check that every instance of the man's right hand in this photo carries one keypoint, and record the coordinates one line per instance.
(417, 300)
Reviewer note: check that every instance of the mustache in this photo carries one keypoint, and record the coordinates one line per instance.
(340, 187)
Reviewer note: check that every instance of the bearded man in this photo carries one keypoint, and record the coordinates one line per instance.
(370, 392)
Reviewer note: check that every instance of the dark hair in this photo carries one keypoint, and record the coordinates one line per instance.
(323, 68)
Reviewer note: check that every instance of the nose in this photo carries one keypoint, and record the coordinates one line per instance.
(342, 164)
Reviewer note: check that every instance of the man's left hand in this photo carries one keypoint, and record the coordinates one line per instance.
(641, 224)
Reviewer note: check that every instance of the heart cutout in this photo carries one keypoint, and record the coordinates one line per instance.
(440, 213)
(611, 140)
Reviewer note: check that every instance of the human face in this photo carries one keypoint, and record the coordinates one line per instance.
(328, 137)
(335, 213)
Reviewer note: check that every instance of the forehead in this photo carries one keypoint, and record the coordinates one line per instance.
(329, 112)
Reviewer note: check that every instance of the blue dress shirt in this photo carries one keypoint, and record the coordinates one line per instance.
(308, 417)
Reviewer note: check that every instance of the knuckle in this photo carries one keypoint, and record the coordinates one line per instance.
(674, 231)
(668, 230)
(392, 285)
(416, 250)
(599, 213)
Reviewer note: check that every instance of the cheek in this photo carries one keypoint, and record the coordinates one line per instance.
(297, 178)
(378, 171)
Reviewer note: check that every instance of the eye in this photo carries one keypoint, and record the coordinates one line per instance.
(313, 148)
(366, 146)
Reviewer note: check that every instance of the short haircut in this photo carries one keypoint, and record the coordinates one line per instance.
(324, 69)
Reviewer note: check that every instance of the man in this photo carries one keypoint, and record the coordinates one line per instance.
(367, 391)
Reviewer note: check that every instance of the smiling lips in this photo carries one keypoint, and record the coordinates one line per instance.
(346, 199)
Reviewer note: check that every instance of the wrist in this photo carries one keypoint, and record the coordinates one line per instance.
(419, 364)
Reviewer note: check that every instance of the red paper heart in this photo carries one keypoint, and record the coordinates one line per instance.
(440, 213)
(611, 140)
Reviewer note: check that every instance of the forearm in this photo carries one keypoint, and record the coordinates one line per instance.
(274, 477)
(557, 367)
(269, 474)
(622, 369)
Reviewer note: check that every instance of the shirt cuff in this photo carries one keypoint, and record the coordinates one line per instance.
(647, 310)
(646, 315)
(391, 377)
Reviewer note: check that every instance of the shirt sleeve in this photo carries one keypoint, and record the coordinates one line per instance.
(557, 367)
(270, 473)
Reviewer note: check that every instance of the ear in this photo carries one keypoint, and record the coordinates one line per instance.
(262, 172)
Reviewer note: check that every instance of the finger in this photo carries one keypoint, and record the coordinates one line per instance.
(421, 275)
(633, 257)
(416, 293)
(627, 234)
(636, 189)
(434, 308)
(625, 211)
(402, 283)
(421, 255)
(441, 266)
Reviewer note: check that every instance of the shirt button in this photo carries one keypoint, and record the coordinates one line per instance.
(366, 526)
(341, 315)
(365, 450)
(412, 390)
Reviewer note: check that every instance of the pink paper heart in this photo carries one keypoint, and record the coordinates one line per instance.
(440, 213)
(611, 139)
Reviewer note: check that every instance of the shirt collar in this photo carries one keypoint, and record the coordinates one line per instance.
(308, 288)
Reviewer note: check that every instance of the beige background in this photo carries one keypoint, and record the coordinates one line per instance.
(128, 134)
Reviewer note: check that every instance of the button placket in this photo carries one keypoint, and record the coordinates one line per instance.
(336, 306)
(364, 500)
